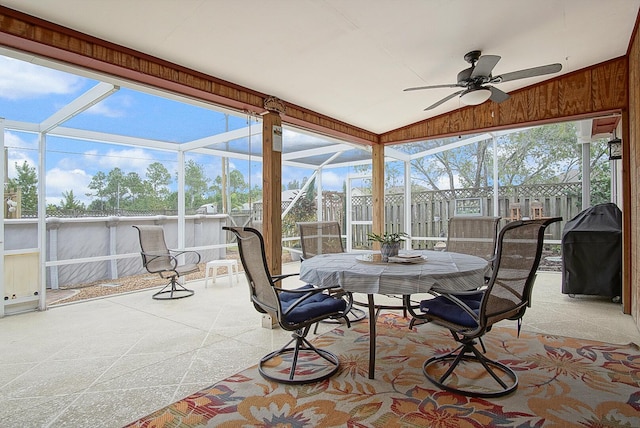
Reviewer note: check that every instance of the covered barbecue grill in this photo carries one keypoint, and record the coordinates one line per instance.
(592, 252)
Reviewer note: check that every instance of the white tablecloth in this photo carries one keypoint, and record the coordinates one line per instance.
(452, 271)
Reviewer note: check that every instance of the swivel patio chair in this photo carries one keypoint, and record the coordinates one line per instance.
(296, 310)
(157, 258)
(324, 237)
(470, 315)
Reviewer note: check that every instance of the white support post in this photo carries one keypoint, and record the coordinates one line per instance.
(586, 174)
(407, 203)
(42, 219)
(319, 199)
(496, 182)
(583, 135)
(112, 224)
(54, 225)
(181, 201)
(3, 174)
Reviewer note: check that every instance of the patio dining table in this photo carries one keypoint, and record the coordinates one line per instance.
(363, 273)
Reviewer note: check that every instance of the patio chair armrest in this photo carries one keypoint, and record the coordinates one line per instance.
(282, 276)
(153, 256)
(177, 253)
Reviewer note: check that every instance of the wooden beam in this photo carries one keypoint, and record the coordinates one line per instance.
(272, 190)
(377, 175)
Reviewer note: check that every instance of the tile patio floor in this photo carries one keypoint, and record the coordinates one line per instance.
(108, 362)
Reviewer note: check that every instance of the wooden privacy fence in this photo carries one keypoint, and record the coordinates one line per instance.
(431, 210)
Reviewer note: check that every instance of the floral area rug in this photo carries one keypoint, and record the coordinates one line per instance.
(563, 382)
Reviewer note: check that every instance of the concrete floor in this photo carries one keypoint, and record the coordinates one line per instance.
(107, 362)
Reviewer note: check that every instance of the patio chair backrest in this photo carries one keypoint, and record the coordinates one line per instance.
(320, 237)
(256, 269)
(517, 259)
(473, 235)
(155, 254)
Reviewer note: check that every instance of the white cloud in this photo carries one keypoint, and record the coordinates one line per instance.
(127, 159)
(19, 79)
(115, 106)
(104, 109)
(19, 151)
(60, 180)
(14, 140)
(332, 181)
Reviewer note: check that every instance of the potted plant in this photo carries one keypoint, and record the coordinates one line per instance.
(389, 243)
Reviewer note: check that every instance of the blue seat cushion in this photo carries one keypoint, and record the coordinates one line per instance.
(441, 307)
(314, 306)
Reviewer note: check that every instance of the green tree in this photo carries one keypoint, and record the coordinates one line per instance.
(27, 181)
(114, 188)
(238, 190)
(159, 179)
(196, 184)
(98, 184)
(69, 202)
(545, 154)
(133, 191)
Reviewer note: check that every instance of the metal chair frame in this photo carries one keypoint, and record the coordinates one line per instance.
(266, 298)
(157, 258)
(506, 296)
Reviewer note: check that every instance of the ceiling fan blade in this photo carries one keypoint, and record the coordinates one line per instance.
(529, 72)
(445, 99)
(417, 88)
(485, 65)
(497, 95)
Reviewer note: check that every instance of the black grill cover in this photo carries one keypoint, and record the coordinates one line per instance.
(592, 252)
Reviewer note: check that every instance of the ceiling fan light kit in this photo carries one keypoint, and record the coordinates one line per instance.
(474, 79)
(474, 97)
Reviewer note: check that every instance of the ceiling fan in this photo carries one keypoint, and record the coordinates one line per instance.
(477, 79)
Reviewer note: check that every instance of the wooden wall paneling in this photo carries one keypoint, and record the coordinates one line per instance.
(486, 115)
(574, 94)
(608, 85)
(461, 120)
(418, 131)
(514, 110)
(440, 125)
(542, 101)
(196, 82)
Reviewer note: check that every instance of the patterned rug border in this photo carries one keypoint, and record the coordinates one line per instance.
(564, 381)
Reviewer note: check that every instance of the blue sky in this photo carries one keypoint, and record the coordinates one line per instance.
(31, 93)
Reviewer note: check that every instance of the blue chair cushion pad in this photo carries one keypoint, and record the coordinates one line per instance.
(441, 307)
(315, 306)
